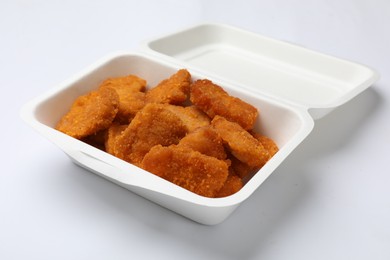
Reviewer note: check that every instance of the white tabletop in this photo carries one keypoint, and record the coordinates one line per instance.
(329, 200)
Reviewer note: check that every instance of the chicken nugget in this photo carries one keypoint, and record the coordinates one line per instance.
(232, 185)
(206, 141)
(191, 116)
(213, 100)
(173, 90)
(196, 172)
(113, 132)
(152, 125)
(267, 143)
(131, 96)
(240, 143)
(241, 169)
(90, 113)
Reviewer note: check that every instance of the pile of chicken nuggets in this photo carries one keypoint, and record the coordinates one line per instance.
(191, 133)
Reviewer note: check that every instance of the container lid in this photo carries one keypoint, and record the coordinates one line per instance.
(271, 67)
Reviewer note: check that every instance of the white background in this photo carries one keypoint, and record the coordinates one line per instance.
(329, 200)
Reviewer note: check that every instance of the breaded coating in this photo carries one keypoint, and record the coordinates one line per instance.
(240, 143)
(231, 186)
(267, 143)
(191, 116)
(206, 141)
(131, 96)
(152, 125)
(90, 113)
(241, 169)
(133, 103)
(199, 173)
(173, 90)
(213, 100)
(113, 132)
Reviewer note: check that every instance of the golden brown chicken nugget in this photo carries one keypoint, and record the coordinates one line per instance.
(152, 125)
(173, 90)
(113, 132)
(241, 143)
(191, 116)
(131, 96)
(232, 185)
(90, 113)
(199, 173)
(267, 143)
(206, 141)
(241, 169)
(213, 100)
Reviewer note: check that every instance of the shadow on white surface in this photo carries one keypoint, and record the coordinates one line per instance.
(251, 227)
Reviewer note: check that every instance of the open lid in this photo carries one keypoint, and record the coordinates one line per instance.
(275, 68)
